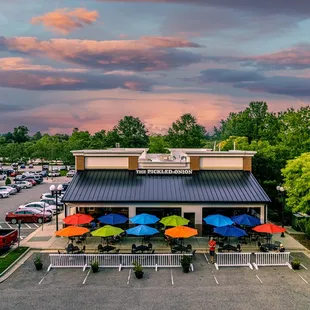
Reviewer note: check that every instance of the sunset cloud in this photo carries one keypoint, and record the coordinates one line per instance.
(35, 77)
(146, 54)
(297, 57)
(64, 21)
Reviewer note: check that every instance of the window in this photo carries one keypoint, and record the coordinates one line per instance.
(19, 212)
(28, 212)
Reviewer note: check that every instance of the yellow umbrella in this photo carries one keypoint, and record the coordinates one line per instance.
(71, 231)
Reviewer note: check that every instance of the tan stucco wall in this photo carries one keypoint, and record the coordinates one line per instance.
(221, 163)
(106, 162)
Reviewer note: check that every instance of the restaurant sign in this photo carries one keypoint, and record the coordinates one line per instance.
(165, 171)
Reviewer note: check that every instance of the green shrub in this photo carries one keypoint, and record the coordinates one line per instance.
(302, 224)
(8, 181)
(307, 231)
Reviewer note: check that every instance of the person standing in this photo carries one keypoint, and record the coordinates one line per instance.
(212, 245)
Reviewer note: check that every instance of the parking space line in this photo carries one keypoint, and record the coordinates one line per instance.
(27, 225)
(35, 225)
(43, 278)
(259, 279)
(303, 279)
(86, 276)
(216, 280)
(129, 276)
(9, 225)
(206, 257)
(1, 227)
(172, 280)
(303, 266)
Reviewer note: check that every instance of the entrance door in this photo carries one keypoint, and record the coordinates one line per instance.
(191, 217)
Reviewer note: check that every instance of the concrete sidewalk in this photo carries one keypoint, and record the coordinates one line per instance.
(46, 240)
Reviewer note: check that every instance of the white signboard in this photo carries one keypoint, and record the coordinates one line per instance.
(165, 171)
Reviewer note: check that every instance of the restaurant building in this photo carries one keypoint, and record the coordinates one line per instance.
(192, 183)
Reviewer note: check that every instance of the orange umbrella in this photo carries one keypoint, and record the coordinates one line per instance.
(269, 228)
(71, 231)
(181, 232)
(78, 219)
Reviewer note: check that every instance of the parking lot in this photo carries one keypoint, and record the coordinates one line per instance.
(168, 288)
(25, 196)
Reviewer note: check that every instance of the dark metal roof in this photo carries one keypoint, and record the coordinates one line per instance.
(202, 186)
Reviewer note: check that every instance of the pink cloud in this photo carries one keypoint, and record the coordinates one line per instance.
(145, 54)
(64, 21)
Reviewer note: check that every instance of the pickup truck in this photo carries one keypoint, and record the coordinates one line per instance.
(7, 238)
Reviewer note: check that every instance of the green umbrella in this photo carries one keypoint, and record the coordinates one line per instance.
(107, 231)
(174, 220)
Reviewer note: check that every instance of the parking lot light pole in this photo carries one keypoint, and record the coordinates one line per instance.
(56, 192)
(281, 193)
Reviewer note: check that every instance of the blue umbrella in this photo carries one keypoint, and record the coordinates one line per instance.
(113, 219)
(218, 220)
(142, 230)
(230, 231)
(245, 219)
(144, 218)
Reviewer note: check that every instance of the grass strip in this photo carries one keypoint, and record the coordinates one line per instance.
(11, 258)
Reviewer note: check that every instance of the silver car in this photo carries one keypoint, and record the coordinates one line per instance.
(10, 189)
(39, 205)
(4, 193)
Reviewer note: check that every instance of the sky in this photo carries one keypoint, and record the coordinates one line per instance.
(89, 63)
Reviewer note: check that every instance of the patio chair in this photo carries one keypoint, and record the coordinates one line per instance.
(189, 248)
(100, 248)
(259, 245)
(133, 249)
(194, 254)
(150, 246)
(277, 244)
(239, 248)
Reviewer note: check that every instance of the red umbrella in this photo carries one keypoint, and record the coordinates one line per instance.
(269, 228)
(78, 219)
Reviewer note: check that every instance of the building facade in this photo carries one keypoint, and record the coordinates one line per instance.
(192, 183)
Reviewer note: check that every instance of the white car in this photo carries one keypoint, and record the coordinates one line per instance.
(52, 202)
(49, 195)
(54, 174)
(24, 184)
(39, 205)
(10, 189)
(4, 194)
(71, 174)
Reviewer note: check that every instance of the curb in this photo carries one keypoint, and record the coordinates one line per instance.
(13, 264)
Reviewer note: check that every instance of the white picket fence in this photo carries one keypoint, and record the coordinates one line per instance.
(272, 259)
(115, 260)
(67, 261)
(233, 259)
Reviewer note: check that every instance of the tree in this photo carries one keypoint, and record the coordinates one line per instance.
(158, 144)
(132, 132)
(186, 133)
(8, 181)
(98, 140)
(37, 136)
(20, 134)
(296, 182)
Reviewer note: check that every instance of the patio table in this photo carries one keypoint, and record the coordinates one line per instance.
(108, 248)
(142, 248)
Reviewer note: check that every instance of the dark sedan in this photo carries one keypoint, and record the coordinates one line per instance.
(27, 216)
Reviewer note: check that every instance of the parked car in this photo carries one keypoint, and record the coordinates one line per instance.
(7, 238)
(22, 166)
(65, 186)
(2, 177)
(27, 216)
(52, 202)
(30, 180)
(62, 168)
(71, 174)
(39, 205)
(14, 174)
(54, 174)
(30, 166)
(14, 165)
(37, 178)
(9, 171)
(4, 193)
(17, 187)
(49, 195)
(43, 173)
(36, 210)
(24, 184)
(10, 189)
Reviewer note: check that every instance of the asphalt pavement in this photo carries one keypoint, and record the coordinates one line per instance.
(168, 288)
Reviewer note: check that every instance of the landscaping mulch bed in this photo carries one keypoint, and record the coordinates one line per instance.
(303, 240)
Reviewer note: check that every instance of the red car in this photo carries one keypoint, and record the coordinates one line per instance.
(33, 182)
(27, 216)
